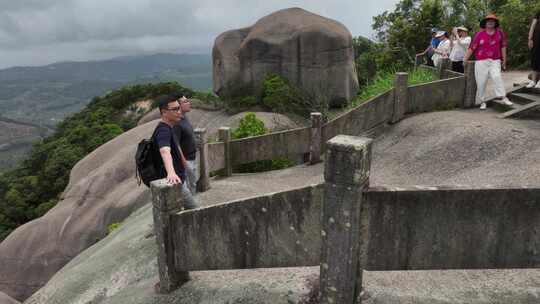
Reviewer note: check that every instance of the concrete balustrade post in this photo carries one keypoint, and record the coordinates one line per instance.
(315, 138)
(166, 200)
(224, 134)
(203, 184)
(401, 97)
(470, 86)
(346, 175)
(445, 65)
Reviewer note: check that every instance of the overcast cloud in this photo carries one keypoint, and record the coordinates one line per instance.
(37, 32)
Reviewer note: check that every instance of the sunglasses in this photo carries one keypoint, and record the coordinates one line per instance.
(175, 109)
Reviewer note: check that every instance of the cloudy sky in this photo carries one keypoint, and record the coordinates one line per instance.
(37, 32)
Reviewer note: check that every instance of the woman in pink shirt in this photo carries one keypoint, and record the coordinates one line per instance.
(489, 49)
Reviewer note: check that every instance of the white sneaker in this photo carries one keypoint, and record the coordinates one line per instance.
(537, 86)
(506, 101)
(531, 84)
(483, 106)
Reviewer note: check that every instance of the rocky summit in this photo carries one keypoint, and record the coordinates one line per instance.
(311, 51)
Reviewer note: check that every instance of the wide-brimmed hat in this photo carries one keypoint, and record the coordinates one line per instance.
(462, 28)
(489, 17)
(440, 34)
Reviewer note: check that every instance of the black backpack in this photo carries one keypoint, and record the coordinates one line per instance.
(149, 165)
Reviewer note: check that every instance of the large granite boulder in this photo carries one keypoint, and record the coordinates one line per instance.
(102, 190)
(311, 51)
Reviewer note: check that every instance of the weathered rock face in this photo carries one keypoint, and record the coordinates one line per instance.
(312, 52)
(5, 299)
(102, 190)
(212, 120)
(122, 269)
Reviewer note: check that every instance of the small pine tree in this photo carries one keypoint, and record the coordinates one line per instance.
(250, 125)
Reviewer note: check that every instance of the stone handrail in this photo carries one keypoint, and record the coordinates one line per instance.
(453, 90)
(346, 227)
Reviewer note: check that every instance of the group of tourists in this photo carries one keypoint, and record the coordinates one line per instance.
(489, 49)
(175, 140)
(445, 45)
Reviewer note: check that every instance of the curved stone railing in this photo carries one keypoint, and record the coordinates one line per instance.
(451, 91)
(346, 227)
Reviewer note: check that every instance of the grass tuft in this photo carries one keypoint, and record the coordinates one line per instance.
(385, 81)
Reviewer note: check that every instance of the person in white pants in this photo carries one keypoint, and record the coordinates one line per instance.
(489, 48)
(483, 70)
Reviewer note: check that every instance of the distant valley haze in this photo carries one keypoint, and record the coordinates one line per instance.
(34, 99)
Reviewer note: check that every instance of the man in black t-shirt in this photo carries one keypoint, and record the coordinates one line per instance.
(173, 159)
(184, 132)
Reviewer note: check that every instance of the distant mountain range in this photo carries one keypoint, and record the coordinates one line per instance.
(44, 95)
(35, 99)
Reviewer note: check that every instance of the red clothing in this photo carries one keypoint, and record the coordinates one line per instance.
(486, 46)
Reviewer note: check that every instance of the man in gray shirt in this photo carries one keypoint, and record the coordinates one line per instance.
(184, 132)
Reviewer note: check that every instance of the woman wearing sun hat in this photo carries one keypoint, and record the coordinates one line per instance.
(459, 44)
(489, 47)
(534, 46)
(442, 50)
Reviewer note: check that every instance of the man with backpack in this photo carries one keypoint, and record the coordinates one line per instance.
(489, 48)
(173, 161)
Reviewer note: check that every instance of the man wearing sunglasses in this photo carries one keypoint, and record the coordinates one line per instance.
(173, 159)
(184, 132)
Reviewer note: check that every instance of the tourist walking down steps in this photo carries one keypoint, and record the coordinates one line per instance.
(489, 48)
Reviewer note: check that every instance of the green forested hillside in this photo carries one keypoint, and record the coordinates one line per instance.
(31, 189)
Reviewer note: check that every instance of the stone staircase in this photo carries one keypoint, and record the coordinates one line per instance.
(526, 103)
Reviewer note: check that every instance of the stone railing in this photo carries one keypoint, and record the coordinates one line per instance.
(345, 227)
(305, 144)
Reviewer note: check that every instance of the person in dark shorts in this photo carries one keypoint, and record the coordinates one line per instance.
(173, 159)
(534, 46)
(184, 132)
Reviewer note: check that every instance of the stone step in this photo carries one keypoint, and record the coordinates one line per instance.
(498, 105)
(523, 98)
(530, 90)
(520, 109)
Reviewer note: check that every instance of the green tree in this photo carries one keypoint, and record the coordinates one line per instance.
(278, 95)
(250, 125)
(516, 17)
